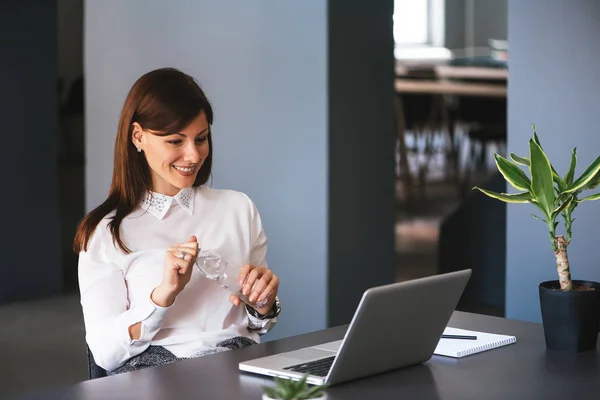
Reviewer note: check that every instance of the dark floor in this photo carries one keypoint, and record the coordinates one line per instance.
(42, 345)
(42, 341)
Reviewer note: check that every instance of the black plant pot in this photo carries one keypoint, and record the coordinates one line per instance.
(571, 318)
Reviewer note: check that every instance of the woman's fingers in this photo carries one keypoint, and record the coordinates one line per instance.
(188, 253)
(182, 266)
(180, 254)
(233, 299)
(190, 245)
(244, 271)
(254, 274)
(259, 285)
(272, 287)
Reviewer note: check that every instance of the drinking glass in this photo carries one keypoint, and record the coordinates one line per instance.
(226, 274)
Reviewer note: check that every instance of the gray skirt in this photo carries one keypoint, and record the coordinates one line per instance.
(158, 355)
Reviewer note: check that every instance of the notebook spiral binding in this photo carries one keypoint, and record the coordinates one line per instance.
(485, 347)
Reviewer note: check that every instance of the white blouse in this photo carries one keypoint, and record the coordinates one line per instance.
(116, 287)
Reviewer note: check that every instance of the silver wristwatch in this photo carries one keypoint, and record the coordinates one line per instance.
(274, 312)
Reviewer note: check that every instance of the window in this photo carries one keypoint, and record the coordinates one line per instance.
(419, 23)
(411, 22)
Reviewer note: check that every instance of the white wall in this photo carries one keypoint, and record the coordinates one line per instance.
(263, 65)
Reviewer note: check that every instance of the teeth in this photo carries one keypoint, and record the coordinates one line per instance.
(182, 169)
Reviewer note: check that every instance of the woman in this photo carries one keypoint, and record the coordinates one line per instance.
(143, 303)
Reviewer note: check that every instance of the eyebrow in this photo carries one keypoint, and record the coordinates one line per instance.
(178, 133)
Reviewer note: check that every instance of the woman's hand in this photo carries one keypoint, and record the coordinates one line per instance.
(179, 263)
(260, 285)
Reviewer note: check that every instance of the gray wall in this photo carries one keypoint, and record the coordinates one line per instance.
(70, 41)
(264, 66)
(554, 83)
(361, 160)
(490, 20)
(454, 24)
(30, 246)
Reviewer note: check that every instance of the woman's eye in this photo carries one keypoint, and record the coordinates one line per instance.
(201, 140)
(174, 142)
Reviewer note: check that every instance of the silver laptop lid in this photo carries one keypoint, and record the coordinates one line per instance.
(397, 325)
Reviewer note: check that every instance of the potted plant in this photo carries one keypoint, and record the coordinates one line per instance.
(570, 308)
(289, 389)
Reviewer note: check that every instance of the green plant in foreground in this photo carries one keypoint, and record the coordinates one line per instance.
(288, 389)
(552, 194)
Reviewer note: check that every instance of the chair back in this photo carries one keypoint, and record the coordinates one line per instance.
(94, 370)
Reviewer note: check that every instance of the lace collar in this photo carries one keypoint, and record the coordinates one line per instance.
(158, 204)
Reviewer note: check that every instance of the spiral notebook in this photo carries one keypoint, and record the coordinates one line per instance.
(463, 347)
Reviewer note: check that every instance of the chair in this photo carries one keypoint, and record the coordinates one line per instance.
(426, 117)
(485, 120)
(94, 370)
(474, 236)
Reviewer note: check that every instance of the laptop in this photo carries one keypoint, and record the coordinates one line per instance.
(394, 326)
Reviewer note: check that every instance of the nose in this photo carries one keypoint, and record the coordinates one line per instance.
(191, 153)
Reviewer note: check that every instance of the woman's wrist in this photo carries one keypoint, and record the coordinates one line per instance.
(266, 312)
(163, 297)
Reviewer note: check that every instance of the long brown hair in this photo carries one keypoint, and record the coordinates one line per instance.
(164, 100)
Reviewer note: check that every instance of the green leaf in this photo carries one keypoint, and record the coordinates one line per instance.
(560, 208)
(592, 184)
(572, 165)
(535, 136)
(541, 178)
(272, 392)
(586, 177)
(538, 218)
(302, 382)
(314, 391)
(524, 197)
(562, 186)
(512, 173)
(592, 197)
(284, 385)
(520, 160)
(524, 161)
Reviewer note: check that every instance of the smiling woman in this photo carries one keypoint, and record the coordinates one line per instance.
(138, 248)
(174, 158)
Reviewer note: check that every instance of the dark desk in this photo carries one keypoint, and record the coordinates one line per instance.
(524, 370)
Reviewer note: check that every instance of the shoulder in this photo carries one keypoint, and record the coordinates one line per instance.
(232, 200)
(101, 236)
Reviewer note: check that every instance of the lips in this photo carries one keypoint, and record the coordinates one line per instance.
(185, 171)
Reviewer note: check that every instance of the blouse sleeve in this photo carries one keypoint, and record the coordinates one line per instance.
(106, 312)
(258, 255)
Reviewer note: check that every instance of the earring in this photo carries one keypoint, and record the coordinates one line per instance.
(139, 150)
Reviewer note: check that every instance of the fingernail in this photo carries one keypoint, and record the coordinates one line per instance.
(252, 298)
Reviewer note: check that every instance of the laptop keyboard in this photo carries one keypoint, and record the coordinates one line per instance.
(318, 367)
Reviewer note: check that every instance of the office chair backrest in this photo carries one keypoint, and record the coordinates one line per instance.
(94, 371)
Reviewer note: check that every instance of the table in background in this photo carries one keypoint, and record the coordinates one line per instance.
(439, 88)
(461, 72)
(524, 370)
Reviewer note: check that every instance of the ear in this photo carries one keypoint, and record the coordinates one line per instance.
(137, 135)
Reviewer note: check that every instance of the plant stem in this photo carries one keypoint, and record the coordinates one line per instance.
(568, 221)
(562, 263)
